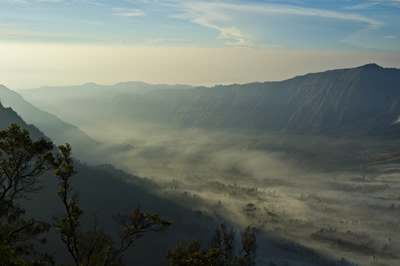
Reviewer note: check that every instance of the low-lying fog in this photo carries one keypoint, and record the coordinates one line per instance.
(326, 194)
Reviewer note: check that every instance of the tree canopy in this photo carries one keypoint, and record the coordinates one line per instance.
(220, 252)
(22, 161)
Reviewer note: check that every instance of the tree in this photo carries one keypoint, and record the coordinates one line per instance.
(221, 250)
(21, 162)
(247, 253)
(224, 241)
(95, 247)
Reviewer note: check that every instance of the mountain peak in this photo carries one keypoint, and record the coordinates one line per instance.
(371, 66)
(91, 84)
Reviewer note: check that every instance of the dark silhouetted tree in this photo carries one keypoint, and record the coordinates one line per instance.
(94, 247)
(21, 162)
(221, 250)
(247, 253)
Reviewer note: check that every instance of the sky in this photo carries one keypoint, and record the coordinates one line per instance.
(65, 42)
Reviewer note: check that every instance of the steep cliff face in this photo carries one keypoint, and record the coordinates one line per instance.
(361, 100)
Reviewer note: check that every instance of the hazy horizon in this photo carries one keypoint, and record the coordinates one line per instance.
(64, 42)
(275, 77)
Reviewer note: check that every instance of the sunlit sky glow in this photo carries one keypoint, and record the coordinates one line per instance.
(60, 42)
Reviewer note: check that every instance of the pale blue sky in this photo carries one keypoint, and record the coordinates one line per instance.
(307, 24)
(370, 27)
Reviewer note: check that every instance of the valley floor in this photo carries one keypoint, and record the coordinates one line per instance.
(331, 196)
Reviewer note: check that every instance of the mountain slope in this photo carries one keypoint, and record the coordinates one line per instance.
(8, 116)
(361, 100)
(104, 191)
(90, 98)
(58, 130)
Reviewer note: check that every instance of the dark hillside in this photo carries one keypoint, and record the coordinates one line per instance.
(363, 100)
(58, 130)
(8, 116)
(104, 191)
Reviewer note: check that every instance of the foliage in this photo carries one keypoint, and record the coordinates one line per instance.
(95, 247)
(221, 250)
(8, 256)
(247, 253)
(21, 162)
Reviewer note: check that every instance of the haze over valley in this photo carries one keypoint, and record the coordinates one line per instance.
(311, 163)
(199, 132)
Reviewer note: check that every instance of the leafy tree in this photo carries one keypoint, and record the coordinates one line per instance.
(221, 250)
(187, 254)
(247, 253)
(21, 162)
(94, 247)
(8, 256)
(224, 241)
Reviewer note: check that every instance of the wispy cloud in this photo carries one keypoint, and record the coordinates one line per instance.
(225, 17)
(232, 35)
(361, 6)
(17, 32)
(390, 37)
(93, 22)
(164, 41)
(125, 12)
(395, 3)
(93, 2)
(38, 1)
(231, 22)
(32, 34)
(372, 3)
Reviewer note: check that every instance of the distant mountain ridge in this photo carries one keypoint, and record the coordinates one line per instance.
(8, 116)
(91, 88)
(361, 100)
(58, 130)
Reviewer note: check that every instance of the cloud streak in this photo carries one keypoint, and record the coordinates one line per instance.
(38, 1)
(370, 4)
(92, 2)
(14, 31)
(125, 12)
(287, 24)
(229, 18)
